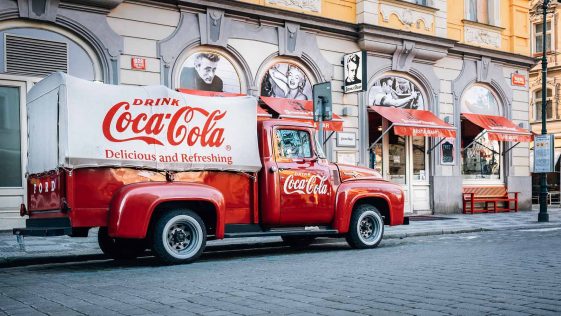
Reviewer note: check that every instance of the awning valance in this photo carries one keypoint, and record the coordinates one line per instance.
(499, 128)
(409, 122)
(261, 113)
(301, 110)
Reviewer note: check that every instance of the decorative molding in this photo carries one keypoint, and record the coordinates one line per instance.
(480, 36)
(483, 69)
(43, 10)
(403, 56)
(213, 27)
(407, 16)
(289, 43)
(306, 5)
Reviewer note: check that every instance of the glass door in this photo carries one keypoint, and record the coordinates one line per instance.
(12, 151)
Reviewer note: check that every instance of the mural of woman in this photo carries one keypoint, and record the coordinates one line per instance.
(285, 80)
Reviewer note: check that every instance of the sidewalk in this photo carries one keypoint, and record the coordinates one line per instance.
(65, 249)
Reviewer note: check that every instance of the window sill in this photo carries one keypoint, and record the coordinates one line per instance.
(419, 7)
(483, 25)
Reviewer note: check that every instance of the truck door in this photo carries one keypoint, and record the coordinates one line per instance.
(306, 186)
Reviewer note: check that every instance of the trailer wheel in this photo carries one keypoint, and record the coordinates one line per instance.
(120, 248)
(179, 237)
(366, 228)
(298, 241)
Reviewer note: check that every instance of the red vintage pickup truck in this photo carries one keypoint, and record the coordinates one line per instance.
(183, 169)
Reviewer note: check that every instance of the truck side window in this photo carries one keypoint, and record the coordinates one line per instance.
(293, 144)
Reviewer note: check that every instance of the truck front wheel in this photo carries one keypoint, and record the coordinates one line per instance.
(179, 237)
(366, 227)
(120, 248)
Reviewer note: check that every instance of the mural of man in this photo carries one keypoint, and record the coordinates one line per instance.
(203, 75)
(388, 96)
(353, 62)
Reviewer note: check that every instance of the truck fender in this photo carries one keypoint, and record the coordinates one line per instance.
(349, 193)
(132, 206)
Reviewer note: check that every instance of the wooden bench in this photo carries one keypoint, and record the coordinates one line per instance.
(485, 199)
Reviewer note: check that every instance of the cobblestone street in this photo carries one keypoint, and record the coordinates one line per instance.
(502, 272)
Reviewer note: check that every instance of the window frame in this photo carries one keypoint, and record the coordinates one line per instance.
(537, 97)
(548, 33)
(493, 12)
(277, 149)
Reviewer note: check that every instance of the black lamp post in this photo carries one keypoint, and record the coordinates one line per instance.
(543, 216)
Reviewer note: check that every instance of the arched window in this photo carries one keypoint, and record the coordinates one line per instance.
(208, 70)
(538, 105)
(481, 156)
(286, 79)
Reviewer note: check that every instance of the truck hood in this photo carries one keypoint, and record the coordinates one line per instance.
(350, 172)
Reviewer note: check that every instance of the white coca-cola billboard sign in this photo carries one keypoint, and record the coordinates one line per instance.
(152, 126)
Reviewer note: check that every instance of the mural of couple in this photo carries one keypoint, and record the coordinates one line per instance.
(210, 71)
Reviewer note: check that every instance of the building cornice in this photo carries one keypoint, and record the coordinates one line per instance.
(495, 55)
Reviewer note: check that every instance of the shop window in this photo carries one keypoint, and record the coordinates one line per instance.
(396, 91)
(538, 31)
(10, 137)
(538, 105)
(419, 158)
(483, 11)
(397, 158)
(293, 144)
(209, 71)
(481, 156)
(286, 80)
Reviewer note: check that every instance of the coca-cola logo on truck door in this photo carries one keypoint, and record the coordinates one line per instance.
(305, 183)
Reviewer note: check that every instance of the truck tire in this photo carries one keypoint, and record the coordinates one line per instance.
(119, 248)
(366, 228)
(179, 236)
(298, 242)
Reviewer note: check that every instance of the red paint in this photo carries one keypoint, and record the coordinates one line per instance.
(285, 192)
(138, 63)
(518, 80)
(409, 122)
(499, 128)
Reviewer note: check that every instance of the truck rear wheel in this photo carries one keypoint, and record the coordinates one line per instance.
(119, 248)
(179, 237)
(366, 228)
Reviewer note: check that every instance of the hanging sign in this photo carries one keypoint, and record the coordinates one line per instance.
(543, 153)
(354, 71)
(447, 150)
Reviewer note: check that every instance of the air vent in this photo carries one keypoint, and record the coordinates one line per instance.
(34, 57)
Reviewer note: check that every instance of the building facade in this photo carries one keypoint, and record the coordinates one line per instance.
(553, 86)
(445, 56)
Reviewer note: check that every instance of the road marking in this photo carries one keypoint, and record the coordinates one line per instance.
(541, 229)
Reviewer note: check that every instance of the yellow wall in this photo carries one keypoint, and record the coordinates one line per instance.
(514, 25)
(342, 10)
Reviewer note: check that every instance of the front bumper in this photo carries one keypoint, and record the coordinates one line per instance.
(45, 227)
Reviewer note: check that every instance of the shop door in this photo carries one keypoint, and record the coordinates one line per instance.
(12, 151)
(403, 160)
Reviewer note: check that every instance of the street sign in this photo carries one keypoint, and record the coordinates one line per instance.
(543, 153)
(323, 108)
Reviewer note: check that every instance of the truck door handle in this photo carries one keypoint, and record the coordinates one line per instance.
(275, 169)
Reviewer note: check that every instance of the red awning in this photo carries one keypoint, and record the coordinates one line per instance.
(301, 110)
(260, 111)
(408, 122)
(499, 128)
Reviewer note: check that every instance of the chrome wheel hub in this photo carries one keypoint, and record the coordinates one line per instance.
(179, 237)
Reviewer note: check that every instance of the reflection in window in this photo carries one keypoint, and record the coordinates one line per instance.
(10, 137)
(419, 162)
(397, 159)
(294, 144)
(481, 159)
(538, 105)
(480, 100)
